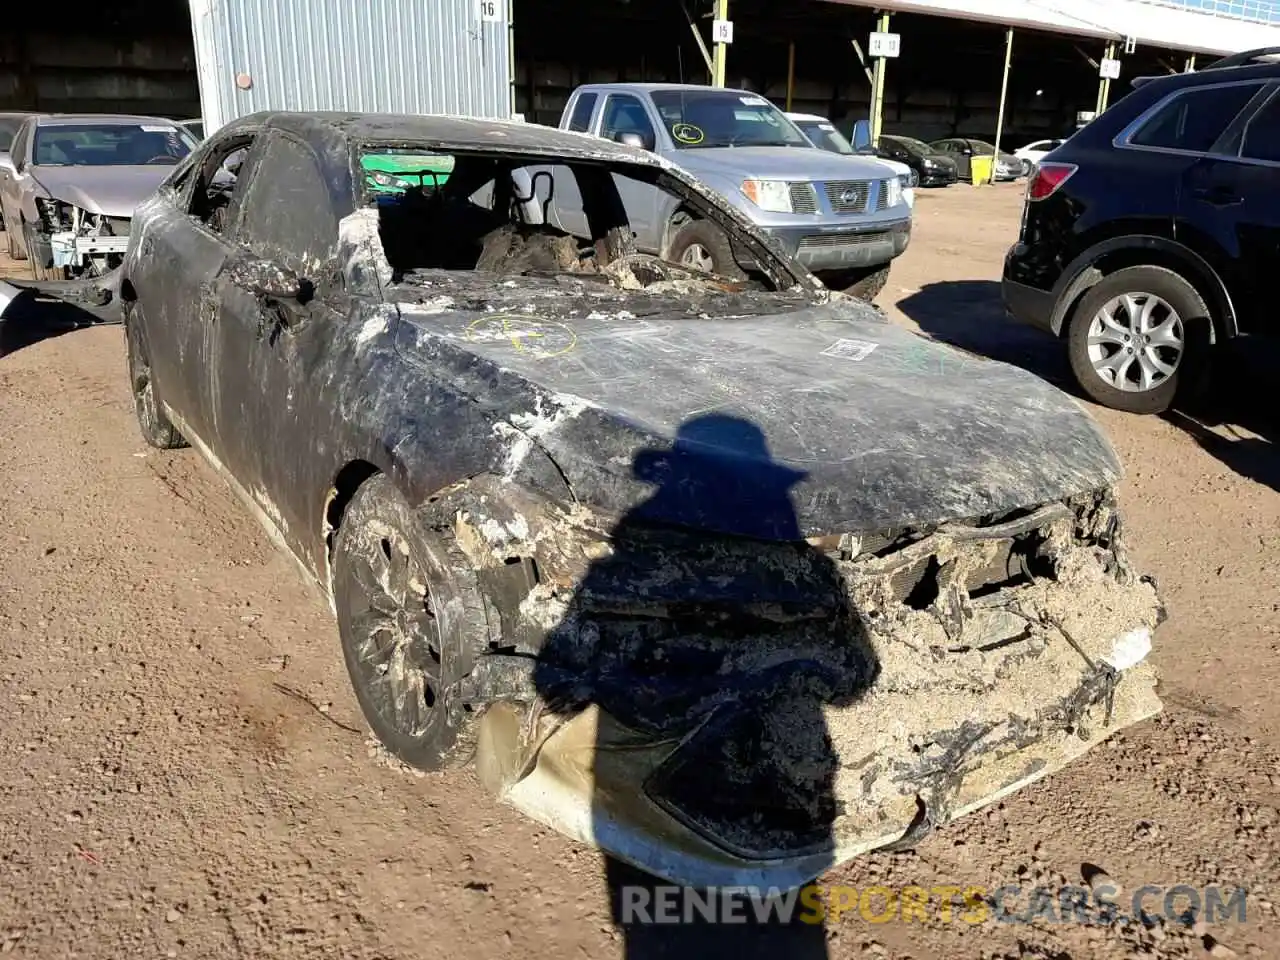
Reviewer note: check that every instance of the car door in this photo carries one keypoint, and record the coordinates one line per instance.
(11, 179)
(268, 344)
(626, 113)
(1233, 192)
(183, 245)
(958, 151)
(565, 209)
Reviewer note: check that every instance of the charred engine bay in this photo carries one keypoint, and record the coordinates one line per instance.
(835, 682)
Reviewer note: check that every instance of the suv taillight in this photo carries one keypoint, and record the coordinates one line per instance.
(1049, 177)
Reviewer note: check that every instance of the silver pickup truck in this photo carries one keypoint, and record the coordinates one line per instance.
(843, 217)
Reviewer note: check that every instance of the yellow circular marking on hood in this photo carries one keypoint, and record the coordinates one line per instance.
(541, 339)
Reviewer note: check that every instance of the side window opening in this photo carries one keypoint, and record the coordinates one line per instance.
(580, 120)
(624, 114)
(218, 187)
(1195, 119)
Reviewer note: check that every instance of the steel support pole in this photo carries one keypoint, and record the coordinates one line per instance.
(722, 49)
(511, 52)
(1104, 84)
(791, 73)
(877, 84)
(1190, 65)
(1004, 88)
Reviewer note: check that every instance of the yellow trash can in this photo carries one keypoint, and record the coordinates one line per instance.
(980, 168)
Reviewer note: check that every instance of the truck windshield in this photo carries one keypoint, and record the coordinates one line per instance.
(825, 136)
(724, 118)
(110, 144)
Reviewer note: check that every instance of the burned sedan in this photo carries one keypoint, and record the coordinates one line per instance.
(730, 578)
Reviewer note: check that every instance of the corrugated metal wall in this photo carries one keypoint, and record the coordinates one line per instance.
(398, 56)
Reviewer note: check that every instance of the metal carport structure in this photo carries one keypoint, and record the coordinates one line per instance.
(1121, 24)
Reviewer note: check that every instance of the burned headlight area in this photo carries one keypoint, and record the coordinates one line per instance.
(841, 692)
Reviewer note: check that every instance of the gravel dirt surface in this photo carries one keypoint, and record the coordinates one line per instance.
(186, 773)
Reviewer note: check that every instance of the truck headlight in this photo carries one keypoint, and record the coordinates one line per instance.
(771, 195)
(894, 187)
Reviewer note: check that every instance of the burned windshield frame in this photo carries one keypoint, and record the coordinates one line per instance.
(688, 117)
(465, 181)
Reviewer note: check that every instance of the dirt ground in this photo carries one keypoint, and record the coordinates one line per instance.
(186, 773)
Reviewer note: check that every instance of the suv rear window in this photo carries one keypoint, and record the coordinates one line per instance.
(1195, 118)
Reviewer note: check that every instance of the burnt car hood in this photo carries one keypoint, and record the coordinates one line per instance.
(113, 191)
(868, 426)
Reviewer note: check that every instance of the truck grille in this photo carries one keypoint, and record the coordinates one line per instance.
(804, 199)
(848, 196)
(882, 195)
(836, 241)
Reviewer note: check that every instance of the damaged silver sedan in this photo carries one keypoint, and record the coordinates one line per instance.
(68, 194)
(729, 577)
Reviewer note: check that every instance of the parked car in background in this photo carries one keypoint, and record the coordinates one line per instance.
(9, 124)
(648, 545)
(822, 133)
(963, 149)
(1151, 235)
(1033, 153)
(933, 168)
(844, 218)
(195, 127)
(69, 199)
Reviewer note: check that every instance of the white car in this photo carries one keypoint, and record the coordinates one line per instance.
(822, 133)
(1033, 153)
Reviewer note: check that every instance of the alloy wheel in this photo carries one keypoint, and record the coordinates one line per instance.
(698, 257)
(396, 638)
(1135, 342)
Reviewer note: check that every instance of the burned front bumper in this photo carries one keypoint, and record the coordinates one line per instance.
(759, 746)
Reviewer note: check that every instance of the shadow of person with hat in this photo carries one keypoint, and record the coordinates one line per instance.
(714, 629)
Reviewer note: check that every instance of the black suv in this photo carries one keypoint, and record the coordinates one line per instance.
(1153, 233)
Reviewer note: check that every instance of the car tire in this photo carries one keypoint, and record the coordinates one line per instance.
(1145, 301)
(403, 648)
(867, 284)
(701, 245)
(156, 428)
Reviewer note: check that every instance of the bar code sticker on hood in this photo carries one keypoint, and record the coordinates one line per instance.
(850, 349)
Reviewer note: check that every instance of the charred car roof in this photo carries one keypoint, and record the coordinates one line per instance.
(465, 133)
